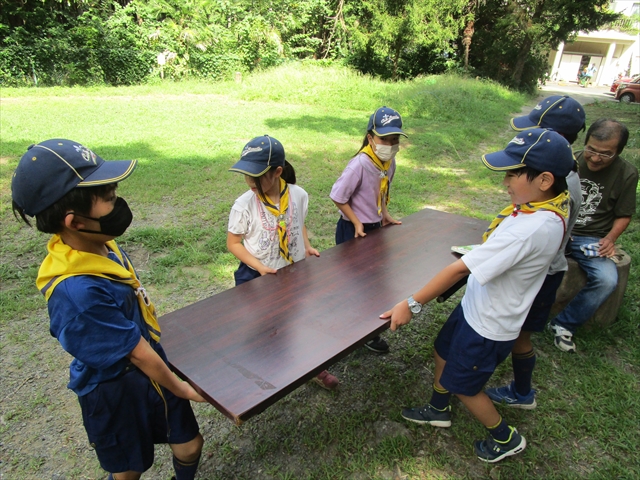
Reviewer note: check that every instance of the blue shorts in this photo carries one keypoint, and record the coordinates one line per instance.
(345, 230)
(244, 273)
(125, 417)
(471, 358)
(539, 314)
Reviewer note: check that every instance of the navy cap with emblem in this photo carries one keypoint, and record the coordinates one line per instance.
(385, 121)
(51, 169)
(538, 148)
(558, 112)
(260, 155)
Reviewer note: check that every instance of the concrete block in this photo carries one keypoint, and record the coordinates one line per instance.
(575, 279)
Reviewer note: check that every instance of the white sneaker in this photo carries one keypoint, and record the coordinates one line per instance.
(563, 338)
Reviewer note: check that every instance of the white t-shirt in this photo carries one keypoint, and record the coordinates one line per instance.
(258, 226)
(507, 272)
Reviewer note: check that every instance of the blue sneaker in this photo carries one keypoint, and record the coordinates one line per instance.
(428, 415)
(507, 395)
(492, 451)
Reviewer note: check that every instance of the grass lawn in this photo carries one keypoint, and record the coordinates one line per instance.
(186, 136)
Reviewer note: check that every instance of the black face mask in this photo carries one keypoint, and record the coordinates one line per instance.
(115, 223)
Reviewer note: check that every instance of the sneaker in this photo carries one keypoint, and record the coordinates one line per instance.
(377, 345)
(428, 414)
(563, 338)
(507, 395)
(326, 380)
(492, 451)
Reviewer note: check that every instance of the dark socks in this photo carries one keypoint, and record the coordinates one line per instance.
(523, 365)
(500, 432)
(439, 398)
(184, 470)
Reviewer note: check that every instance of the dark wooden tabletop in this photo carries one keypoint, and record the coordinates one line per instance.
(247, 347)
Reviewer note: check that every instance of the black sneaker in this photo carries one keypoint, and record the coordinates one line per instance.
(492, 451)
(377, 345)
(428, 414)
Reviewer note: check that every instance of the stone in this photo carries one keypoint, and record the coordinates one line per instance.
(575, 279)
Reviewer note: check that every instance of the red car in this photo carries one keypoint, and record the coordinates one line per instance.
(629, 92)
(618, 81)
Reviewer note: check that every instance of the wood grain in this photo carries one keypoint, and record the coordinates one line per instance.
(247, 347)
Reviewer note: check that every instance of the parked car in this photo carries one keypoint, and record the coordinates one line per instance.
(619, 80)
(629, 92)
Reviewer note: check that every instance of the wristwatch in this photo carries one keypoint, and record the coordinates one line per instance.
(415, 307)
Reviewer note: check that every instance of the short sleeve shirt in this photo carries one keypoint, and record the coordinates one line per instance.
(606, 195)
(507, 272)
(98, 322)
(359, 187)
(259, 227)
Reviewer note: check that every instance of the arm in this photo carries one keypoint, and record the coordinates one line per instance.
(146, 359)
(349, 213)
(607, 244)
(235, 246)
(308, 249)
(386, 218)
(401, 315)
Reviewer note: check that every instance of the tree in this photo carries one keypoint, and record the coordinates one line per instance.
(513, 37)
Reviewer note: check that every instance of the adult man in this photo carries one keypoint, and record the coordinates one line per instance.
(608, 184)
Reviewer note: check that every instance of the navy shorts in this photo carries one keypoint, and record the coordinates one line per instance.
(345, 230)
(471, 358)
(244, 273)
(125, 417)
(539, 314)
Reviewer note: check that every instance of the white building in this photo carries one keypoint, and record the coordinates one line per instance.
(613, 51)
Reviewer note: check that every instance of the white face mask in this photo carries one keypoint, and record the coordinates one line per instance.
(386, 152)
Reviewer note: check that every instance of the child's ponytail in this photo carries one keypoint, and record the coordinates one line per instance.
(288, 173)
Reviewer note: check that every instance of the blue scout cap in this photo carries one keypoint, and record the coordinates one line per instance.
(259, 155)
(560, 113)
(385, 121)
(538, 148)
(51, 169)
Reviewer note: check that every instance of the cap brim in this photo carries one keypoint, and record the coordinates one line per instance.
(384, 131)
(109, 172)
(501, 161)
(249, 168)
(522, 123)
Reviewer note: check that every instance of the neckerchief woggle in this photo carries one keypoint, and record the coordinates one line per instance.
(558, 205)
(63, 262)
(280, 214)
(384, 173)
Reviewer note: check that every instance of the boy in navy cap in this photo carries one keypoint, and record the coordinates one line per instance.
(567, 117)
(101, 314)
(506, 273)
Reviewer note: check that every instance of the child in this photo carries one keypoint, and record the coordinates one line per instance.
(101, 314)
(566, 116)
(506, 273)
(362, 191)
(266, 224)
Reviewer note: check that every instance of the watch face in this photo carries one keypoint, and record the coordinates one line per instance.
(416, 308)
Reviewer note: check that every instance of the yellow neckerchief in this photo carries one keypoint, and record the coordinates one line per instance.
(384, 170)
(280, 214)
(558, 205)
(63, 262)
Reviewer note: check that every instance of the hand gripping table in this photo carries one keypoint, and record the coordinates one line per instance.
(245, 348)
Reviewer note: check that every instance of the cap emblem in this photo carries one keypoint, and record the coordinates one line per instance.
(538, 107)
(388, 119)
(247, 150)
(86, 154)
(517, 140)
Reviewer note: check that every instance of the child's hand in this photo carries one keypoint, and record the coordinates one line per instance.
(400, 315)
(263, 270)
(359, 230)
(191, 394)
(311, 251)
(388, 220)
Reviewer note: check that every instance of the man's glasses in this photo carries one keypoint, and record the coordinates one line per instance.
(601, 155)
